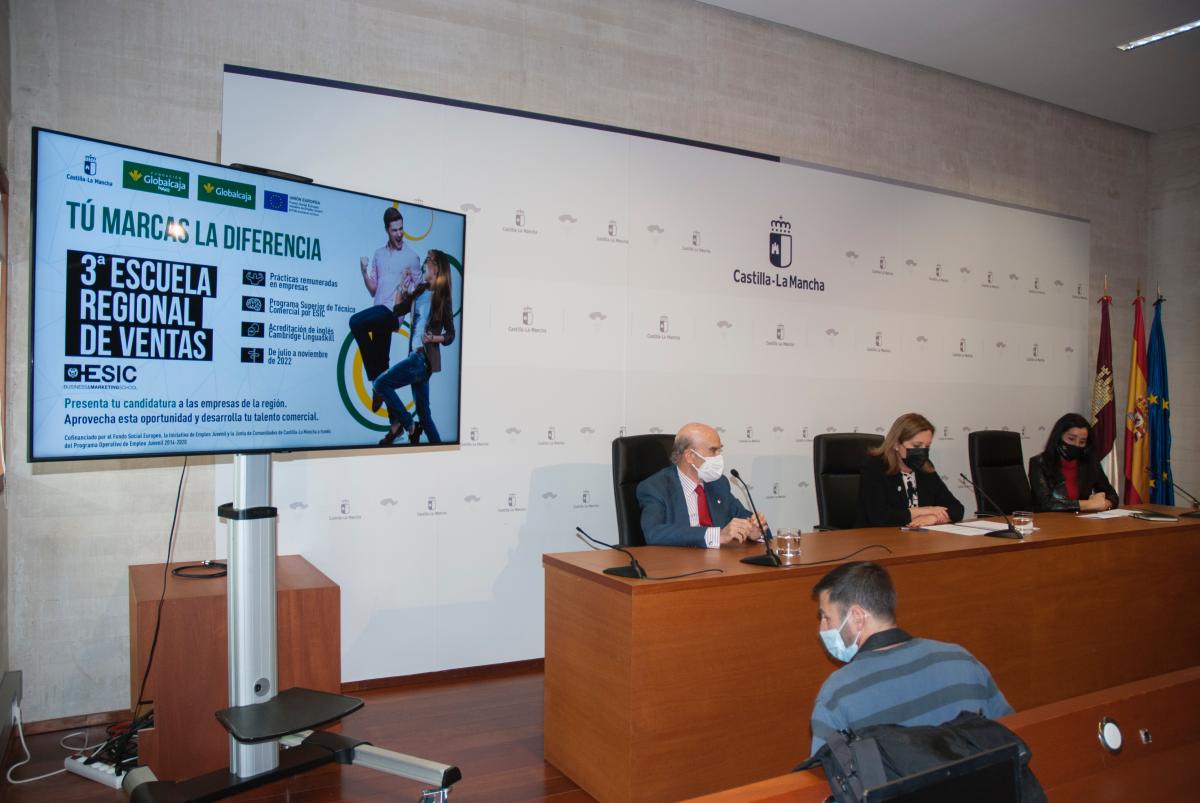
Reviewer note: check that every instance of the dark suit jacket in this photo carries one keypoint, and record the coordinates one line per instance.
(664, 510)
(882, 501)
(438, 325)
(1050, 489)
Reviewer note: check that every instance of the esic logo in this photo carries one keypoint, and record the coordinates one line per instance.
(81, 372)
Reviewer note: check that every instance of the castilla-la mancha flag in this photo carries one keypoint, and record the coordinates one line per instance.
(1137, 445)
(1104, 405)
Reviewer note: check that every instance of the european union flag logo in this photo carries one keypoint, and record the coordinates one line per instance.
(277, 201)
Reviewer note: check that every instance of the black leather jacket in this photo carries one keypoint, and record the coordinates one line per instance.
(1050, 489)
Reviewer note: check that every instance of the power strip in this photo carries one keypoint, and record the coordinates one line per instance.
(97, 771)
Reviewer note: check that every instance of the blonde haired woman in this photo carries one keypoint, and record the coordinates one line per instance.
(898, 486)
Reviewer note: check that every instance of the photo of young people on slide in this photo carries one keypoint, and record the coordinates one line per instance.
(395, 268)
(430, 312)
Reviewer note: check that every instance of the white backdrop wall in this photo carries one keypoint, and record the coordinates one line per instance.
(606, 290)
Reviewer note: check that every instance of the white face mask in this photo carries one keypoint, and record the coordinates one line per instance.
(712, 467)
(832, 639)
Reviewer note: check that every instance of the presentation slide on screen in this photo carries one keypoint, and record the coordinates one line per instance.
(183, 307)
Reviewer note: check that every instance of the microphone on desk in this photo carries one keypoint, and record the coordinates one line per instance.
(771, 557)
(1008, 532)
(1193, 514)
(634, 570)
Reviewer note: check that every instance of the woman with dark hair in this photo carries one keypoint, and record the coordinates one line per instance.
(898, 486)
(430, 327)
(1066, 475)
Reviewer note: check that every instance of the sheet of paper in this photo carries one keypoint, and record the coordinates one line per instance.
(984, 524)
(1115, 513)
(958, 529)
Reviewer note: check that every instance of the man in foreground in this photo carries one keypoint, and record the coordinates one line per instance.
(889, 677)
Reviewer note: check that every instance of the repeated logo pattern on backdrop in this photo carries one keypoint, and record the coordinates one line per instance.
(622, 284)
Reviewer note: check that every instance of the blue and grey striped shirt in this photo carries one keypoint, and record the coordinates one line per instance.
(917, 682)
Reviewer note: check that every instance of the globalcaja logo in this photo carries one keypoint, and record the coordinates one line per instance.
(275, 201)
(781, 243)
(149, 178)
(230, 193)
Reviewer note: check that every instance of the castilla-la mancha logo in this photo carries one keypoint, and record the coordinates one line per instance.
(781, 243)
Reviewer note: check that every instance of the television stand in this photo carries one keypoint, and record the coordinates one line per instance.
(261, 718)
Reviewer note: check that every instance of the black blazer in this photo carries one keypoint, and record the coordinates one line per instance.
(1050, 489)
(882, 501)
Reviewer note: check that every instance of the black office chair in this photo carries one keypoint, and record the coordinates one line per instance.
(837, 459)
(634, 458)
(998, 467)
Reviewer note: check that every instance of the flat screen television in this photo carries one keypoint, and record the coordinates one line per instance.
(182, 307)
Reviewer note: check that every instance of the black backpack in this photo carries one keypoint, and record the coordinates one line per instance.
(857, 760)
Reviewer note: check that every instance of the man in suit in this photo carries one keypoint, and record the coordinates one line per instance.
(689, 503)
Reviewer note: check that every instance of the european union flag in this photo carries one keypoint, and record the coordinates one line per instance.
(277, 201)
(1162, 484)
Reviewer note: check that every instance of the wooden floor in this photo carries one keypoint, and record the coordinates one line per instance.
(491, 728)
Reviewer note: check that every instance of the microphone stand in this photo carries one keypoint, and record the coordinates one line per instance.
(1007, 532)
(771, 557)
(1191, 514)
(633, 571)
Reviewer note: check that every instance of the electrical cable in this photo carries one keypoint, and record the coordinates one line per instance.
(163, 595)
(118, 742)
(28, 756)
(843, 557)
(77, 748)
(688, 574)
(122, 742)
(204, 570)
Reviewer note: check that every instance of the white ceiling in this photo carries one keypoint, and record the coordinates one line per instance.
(1060, 51)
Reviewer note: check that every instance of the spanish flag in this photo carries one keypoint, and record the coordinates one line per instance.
(1137, 445)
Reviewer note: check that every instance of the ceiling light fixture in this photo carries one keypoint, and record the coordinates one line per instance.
(1154, 37)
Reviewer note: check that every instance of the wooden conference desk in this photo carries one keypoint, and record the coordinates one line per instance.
(663, 690)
